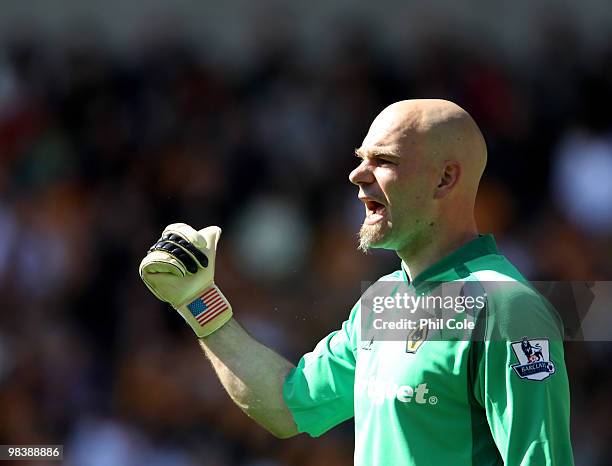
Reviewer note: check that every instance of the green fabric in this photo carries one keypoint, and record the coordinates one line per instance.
(451, 402)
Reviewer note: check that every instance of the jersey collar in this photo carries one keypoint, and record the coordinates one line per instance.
(452, 266)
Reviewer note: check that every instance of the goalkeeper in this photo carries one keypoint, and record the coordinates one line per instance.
(423, 401)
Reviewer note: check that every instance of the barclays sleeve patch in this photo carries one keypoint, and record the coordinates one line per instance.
(534, 359)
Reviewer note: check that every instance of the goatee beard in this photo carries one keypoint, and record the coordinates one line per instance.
(369, 235)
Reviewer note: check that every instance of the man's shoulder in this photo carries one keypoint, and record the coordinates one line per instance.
(494, 267)
(386, 285)
(395, 276)
(498, 275)
(512, 302)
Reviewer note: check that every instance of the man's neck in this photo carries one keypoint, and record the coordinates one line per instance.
(419, 259)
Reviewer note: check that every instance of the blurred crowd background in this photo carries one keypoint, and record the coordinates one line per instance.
(100, 149)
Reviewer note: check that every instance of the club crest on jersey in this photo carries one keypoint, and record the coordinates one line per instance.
(534, 359)
(415, 339)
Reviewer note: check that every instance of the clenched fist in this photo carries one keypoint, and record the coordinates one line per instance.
(180, 269)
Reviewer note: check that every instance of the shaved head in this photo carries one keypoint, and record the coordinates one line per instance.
(437, 155)
(436, 130)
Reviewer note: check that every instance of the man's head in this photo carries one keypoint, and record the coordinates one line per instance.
(421, 163)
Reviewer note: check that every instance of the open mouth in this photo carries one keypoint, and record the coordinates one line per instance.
(375, 212)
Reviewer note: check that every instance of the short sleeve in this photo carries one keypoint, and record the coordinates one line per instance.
(319, 390)
(523, 383)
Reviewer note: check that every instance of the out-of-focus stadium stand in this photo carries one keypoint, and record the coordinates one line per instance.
(111, 128)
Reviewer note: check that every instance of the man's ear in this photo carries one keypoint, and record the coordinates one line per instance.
(448, 179)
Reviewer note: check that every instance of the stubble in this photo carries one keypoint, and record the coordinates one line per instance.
(370, 235)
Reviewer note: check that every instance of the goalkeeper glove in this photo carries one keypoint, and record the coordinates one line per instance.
(180, 269)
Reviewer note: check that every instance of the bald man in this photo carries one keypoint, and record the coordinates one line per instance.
(476, 385)
(421, 164)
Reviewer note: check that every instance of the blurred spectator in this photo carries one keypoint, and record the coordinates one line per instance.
(582, 180)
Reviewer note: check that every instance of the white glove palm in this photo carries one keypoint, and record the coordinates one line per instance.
(180, 269)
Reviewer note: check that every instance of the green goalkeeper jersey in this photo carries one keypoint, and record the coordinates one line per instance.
(497, 398)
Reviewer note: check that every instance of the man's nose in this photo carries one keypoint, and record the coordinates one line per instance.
(362, 174)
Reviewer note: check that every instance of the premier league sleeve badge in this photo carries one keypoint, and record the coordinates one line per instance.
(534, 359)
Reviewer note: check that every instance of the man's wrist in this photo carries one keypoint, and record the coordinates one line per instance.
(208, 312)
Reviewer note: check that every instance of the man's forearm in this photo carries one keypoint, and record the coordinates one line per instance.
(253, 376)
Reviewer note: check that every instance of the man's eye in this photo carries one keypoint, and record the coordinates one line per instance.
(384, 162)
